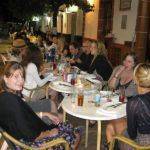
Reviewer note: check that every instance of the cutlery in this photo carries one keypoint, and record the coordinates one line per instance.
(119, 105)
(65, 84)
(115, 105)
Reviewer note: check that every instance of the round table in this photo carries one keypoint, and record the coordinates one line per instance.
(89, 112)
(66, 87)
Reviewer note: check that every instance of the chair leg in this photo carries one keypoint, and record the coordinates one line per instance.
(66, 146)
(112, 144)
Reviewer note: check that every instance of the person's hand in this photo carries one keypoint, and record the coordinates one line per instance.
(54, 119)
(67, 59)
(55, 72)
(121, 69)
(78, 60)
(72, 61)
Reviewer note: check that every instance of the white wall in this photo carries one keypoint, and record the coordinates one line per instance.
(91, 22)
(127, 34)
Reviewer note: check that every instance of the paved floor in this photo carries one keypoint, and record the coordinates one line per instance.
(92, 133)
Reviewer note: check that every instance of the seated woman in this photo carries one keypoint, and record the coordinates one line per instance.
(33, 62)
(99, 62)
(18, 119)
(138, 108)
(122, 76)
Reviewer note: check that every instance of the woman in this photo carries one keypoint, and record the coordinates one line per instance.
(17, 118)
(122, 76)
(99, 62)
(138, 108)
(33, 63)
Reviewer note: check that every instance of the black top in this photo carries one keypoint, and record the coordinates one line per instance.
(138, 115)
(18, 119)
(102, 67)
(86, 60)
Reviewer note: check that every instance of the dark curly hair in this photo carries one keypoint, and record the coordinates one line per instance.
(133, 55)
(34, 55)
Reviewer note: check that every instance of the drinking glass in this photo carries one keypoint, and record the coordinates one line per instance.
(122, 94)
(54, 65)
(80, 97)
(73, 81)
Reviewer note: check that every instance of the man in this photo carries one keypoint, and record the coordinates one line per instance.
(84, 61)
(19, 50)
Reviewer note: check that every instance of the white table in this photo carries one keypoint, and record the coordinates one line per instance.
(89, 112)
(65, 87)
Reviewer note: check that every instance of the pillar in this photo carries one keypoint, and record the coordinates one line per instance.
(142, 28)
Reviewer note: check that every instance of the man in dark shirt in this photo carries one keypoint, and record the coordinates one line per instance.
(85, 59)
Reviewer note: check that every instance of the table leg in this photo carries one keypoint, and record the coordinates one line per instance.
(64, 116)
(99, 135)
(86, 133)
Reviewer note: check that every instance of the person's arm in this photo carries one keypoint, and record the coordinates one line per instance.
(52, 117)
(35, 75)
(112, 82)
(132, 108)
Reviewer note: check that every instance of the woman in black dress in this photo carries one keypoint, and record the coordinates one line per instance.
(99, 63)
(18, 119)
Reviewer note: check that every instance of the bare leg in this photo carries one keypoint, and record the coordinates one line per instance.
(110, 132)
(115, 127)
(53, 107)
(76, 144)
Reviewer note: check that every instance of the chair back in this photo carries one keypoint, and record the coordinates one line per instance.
(4, 59)
(12, 142)
(4, 136)
(127, 141)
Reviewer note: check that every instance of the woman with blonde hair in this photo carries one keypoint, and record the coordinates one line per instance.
(99, 62)
(138, 108)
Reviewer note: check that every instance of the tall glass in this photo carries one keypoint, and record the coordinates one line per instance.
(80, 97)
(54, 65)
(122, 94)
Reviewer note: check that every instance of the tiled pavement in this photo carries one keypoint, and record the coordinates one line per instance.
(92, 142)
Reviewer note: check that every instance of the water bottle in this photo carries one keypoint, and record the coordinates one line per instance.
(97, 100)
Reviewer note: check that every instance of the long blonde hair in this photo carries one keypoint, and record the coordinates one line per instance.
(101, 50)
(142, 75)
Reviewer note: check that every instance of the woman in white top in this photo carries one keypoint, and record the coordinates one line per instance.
(33, 64)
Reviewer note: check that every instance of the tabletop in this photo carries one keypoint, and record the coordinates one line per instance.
(91, 112)
(89, 85)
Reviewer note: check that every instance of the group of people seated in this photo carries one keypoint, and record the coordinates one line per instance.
(21, 118)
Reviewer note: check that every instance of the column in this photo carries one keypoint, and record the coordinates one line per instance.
(142, 27)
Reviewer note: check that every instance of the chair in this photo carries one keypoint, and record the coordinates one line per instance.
(4, 59)
(12, 142)
(45, 87)
(127, 141)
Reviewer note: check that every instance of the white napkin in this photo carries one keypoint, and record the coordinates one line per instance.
(109, 110)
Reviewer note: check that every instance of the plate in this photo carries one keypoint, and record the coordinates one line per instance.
(91, 76)
(93, 80)
(105, 93)
(83, 73)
